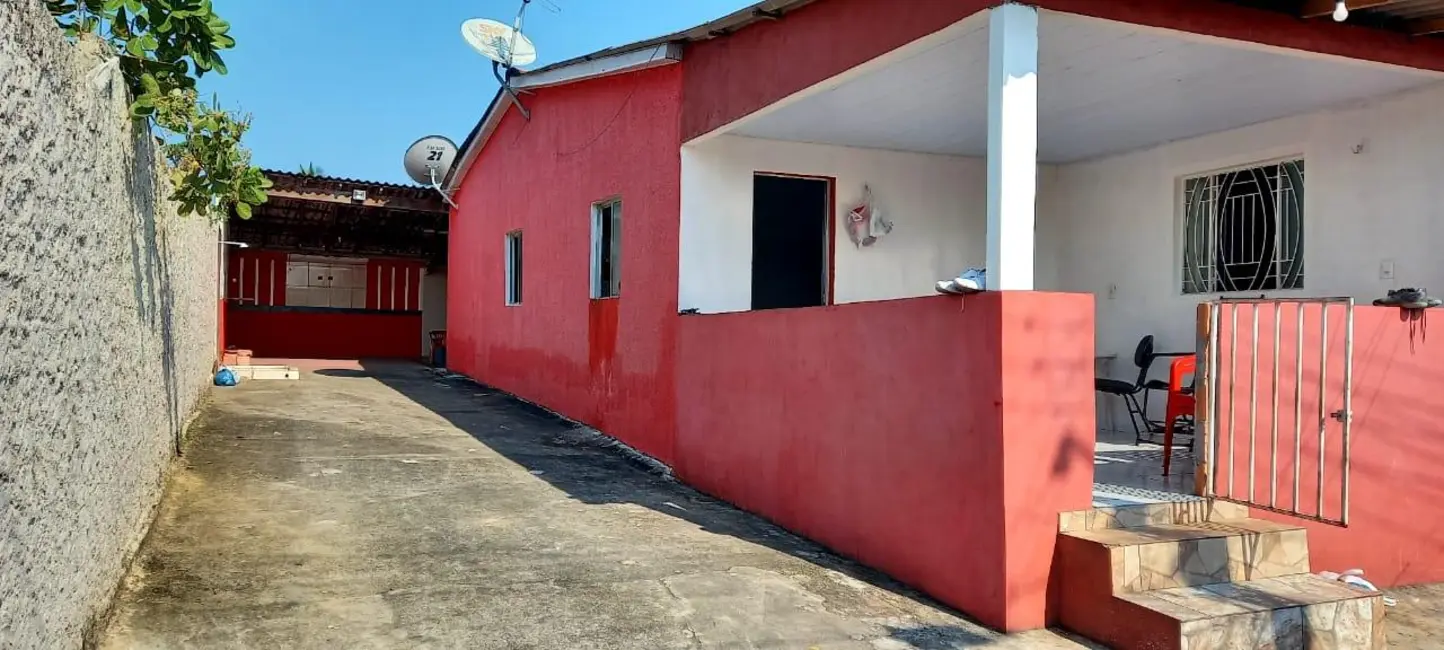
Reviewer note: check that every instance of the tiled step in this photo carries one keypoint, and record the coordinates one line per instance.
(1200, 575)
(1166, 556)
(1152, 514)
(1297, 611)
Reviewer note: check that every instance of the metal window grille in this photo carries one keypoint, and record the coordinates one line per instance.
(1243, 229)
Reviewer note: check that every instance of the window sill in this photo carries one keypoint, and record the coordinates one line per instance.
(1259, 295)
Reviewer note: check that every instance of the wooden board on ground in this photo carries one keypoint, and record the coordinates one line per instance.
(267, 372)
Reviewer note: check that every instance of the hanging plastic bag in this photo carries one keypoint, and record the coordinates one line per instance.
(865, 223)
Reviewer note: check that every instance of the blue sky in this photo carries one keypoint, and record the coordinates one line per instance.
(348, 84)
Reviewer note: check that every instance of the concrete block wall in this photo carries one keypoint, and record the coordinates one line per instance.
(108, 306)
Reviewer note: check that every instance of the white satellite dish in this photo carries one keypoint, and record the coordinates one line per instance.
(428, 161)
(499, 42)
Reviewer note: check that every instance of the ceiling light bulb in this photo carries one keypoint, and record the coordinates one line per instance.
(1341, 11)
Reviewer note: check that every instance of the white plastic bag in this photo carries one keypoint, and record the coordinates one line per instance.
(865, 223)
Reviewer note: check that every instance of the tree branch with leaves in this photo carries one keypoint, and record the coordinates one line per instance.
(164, 47)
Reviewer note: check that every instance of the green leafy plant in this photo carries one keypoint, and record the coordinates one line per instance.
(165, 46)
(310, 169)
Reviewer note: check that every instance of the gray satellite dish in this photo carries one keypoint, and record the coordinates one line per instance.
(428, 161)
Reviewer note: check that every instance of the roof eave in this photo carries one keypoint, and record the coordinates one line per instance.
(622, 62)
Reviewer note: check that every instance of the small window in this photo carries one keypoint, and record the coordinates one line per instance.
(607, 249)
(1243, 230)
(513, 268)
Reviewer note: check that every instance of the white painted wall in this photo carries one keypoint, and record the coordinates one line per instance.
(937, 203)
(433, 307)
(1114, 222)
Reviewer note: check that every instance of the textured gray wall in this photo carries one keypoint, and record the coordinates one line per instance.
(107, 333)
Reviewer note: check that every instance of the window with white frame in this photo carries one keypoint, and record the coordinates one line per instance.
(513, 268)
(607, 249)
(314, 281)
(1243, 229)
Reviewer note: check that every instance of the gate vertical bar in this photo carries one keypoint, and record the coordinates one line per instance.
(1232, 369)
(1323, 396)
(1253, 404)
(1298, 406)
(1211, 426)
(1207, 403)
(1348, 405)
(1274, 416)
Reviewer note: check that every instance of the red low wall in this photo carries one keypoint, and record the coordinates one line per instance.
(936, 439)
(1396, 527)
(301, 333)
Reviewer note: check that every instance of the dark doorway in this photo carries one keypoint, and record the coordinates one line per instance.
(791, 241)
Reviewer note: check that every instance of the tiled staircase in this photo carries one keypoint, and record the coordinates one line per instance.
(1201, 575)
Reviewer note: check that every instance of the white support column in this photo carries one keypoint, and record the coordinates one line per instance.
(1012, 145)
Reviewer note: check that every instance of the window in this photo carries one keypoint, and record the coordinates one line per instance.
(513, 268)
(316, 281)
(1243, 229)
(607, 249)
(791, 241)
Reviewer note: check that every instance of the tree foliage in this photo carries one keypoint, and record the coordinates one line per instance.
(165, 46)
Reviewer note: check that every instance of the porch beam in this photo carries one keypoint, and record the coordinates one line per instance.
(1317, 8)
(1012, 145)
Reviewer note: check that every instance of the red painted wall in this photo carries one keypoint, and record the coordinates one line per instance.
(394, 285)
(256, 277)
(606, 363)
(300, 333)
(731, 77)
(1396, 528)
(935, 440)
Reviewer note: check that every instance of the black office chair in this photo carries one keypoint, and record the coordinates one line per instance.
(1143, 357)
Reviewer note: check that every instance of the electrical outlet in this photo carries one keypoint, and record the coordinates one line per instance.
(1386, 270)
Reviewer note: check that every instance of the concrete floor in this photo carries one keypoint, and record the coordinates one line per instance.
(379, 507)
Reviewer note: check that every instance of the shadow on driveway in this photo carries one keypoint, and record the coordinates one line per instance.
(594, 469)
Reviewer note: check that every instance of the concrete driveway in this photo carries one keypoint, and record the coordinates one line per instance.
(379, 506)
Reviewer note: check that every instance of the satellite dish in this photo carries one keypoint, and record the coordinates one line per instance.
(428, 161)
(499, 42)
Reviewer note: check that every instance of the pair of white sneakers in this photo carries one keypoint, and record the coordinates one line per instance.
(972, 280)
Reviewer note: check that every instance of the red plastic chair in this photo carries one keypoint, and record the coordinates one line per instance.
(1180, 402)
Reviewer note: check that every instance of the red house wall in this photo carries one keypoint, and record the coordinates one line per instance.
(608, 363)
(934, 442)
(1396, 527)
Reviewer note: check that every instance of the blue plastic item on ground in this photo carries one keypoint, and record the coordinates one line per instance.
(226, 377)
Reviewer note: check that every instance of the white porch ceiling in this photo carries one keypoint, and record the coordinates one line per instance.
(1104, 87)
